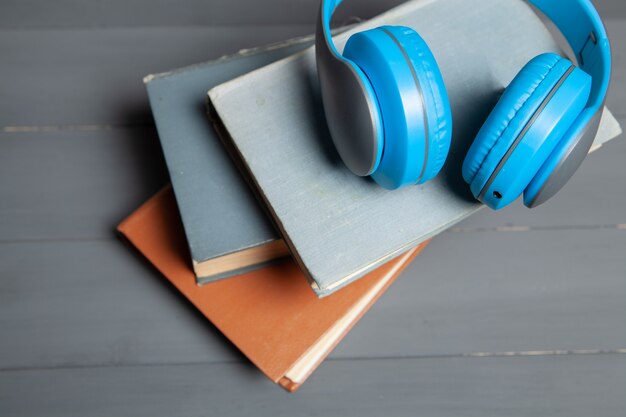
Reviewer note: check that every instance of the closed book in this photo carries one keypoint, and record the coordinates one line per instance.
(270, 314)
(339, 226)
(227, 231)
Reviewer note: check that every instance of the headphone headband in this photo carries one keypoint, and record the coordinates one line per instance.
(326, 12)
(578, 21)
(582, 27)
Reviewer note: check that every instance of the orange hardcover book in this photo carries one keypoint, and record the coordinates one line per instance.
(270, 314)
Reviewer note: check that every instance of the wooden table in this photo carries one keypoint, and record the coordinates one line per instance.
(512, 313)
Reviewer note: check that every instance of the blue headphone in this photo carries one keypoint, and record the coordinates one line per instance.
(389, 114)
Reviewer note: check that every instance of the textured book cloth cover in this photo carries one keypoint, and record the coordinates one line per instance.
(339, 226)
(220, 215)
(270, 314)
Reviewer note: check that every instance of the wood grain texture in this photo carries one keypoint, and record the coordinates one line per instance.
(90, 329)
(75, 185)
(118, 13)
(568, 386)
(135, 152)
(98, 304)
(94, 76)
(86, 182)
(122, 13)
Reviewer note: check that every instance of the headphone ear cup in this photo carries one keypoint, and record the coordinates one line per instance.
(533, 114)
(413, 103)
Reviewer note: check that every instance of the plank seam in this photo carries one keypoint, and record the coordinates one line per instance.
(471, 355)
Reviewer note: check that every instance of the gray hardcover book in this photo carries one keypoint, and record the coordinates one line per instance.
(227, 231)
(339, 226)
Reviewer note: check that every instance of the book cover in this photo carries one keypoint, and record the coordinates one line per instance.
(339, 226)
(227, 231)
(270, 314)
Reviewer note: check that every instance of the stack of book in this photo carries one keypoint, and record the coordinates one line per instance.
(263, 229)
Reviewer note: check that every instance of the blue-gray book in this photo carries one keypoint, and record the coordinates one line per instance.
(339, 226)
(227, 230)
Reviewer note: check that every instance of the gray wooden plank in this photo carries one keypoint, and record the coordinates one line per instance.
(611, 8)
(116, 13)
(94, 77)
(95, 210)
(497, 292)
(88, 303)
(570, 385)
(96, 303)
(75, 185)
(41, 13)
(80, 184)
